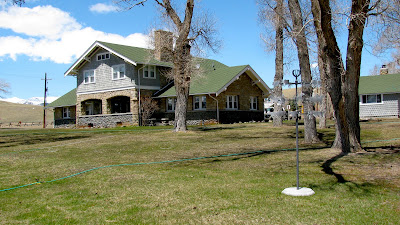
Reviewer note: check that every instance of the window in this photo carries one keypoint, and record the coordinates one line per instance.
(200, 102)
(89, 108)
(253, 103)
(118, 72)
(103, 56)
(149, 72)
(88, 76)
(232, 102)
(66, 112)
(120, 104)
(171, 104)
(92, 107)
(371, 99)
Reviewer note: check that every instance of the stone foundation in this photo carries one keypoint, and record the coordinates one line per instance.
(107, 120)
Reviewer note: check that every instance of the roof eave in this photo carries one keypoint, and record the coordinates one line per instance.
(71, 70)
(260, 83)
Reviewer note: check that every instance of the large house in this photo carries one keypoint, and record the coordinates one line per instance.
(111, 78)
(380, 95)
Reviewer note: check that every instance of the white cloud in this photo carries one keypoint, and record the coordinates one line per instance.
(53, 35)
(103, 8)
(41, 21)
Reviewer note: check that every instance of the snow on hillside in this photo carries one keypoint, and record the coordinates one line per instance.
(30, 101)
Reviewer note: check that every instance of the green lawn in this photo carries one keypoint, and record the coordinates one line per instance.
(234, 188)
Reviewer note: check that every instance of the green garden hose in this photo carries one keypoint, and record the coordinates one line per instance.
(170, 161)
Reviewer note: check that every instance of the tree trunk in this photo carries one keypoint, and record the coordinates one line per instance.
(310, 130)
(278, 61)
(324, 104)
(355, 44)
(182, 62)
(333, 69)
(182, 73)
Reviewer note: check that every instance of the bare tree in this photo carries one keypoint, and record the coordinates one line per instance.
(16, 2)
(271, 12)
(148, 106)
(278, 59)
(299, 35)
(386, 27)
(332, 68)
(4, 87)
(188, 34)
(343, 81)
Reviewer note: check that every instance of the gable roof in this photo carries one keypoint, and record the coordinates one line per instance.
(69, 99)
(215, 76)
(215, 80)
(133, 55)
(379, 84)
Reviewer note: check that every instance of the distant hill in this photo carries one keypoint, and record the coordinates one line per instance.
(13, 113)
(30, 101)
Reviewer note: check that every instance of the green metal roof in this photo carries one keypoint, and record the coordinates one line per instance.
(211, 81)
(68, 99)
(379, 84)
(136, 54)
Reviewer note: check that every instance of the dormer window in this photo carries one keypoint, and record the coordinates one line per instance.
(149, 72)
(103, 56)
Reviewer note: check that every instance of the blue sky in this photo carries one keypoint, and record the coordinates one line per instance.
(47, 36)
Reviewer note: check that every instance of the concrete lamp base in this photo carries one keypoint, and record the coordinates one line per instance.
(293, 191)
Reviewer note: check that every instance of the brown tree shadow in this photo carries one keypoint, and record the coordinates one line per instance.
(326, 168)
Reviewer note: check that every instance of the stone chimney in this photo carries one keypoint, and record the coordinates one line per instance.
(163, 44)
(384, 70)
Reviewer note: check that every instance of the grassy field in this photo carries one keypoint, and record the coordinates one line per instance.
(27, 114)
(234, 188)
(13, 113)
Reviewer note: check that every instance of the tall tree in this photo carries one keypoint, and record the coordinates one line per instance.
(332, 68)
(187, 35)
(343, 80)
(355, 44)
(271, 15)
(279, 25)
(310, 130)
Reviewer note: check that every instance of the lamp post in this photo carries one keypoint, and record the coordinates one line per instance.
(297, 191)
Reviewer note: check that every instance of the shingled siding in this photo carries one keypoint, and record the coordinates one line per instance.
(389, 108)
(103, 75)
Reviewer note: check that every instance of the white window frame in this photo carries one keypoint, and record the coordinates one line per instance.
(103, 56)
(232, 102)
(148, 69)
(90, 80)
(253, 103)
(365, 97)
(116, 70)
(169, 100)
(66, 112)
(202, 102)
